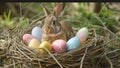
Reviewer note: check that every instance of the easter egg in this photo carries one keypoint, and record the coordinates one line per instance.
(37, 33)
(82, 34)
(59, 45)
(26, 38)
(34, 44)
(44, 45)
(73, 43)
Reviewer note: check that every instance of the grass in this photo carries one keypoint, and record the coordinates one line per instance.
(103, 24)
(83, 19)
(7, 21)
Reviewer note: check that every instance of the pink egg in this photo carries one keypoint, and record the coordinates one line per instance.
(59, 45)
(26, 38)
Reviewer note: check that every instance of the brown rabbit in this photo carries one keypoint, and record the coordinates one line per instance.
(52, 29)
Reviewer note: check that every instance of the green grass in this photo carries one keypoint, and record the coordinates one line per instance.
(7, 21)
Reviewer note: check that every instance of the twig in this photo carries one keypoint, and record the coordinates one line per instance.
(95, 37)
(40, 64)
(8, 66)
(111, 8)
(20, 6)
(99, 61)
(23, 53)
(53, 57)
(111, 65)
(106, 27)
(81, 63)
(13, 61)
(101, 10)
(37, 20)
(29, 50)
(25, 8)
(113, 51)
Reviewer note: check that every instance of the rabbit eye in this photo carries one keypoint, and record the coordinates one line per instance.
(54, 22)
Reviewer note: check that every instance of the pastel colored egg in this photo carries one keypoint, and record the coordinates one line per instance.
(73, 43)
(37, 33)
(59, 45)
(44, 45)
(34, 44)
(26, 38)
(82, 34)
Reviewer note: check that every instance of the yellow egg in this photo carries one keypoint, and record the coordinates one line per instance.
(34, 44)
(44, 45)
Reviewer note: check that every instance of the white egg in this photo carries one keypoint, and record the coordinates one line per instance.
(37, 33)
(82, 34)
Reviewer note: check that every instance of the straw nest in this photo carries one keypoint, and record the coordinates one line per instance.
(92, 54)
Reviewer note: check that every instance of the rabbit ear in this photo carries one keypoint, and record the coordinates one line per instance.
(59, 8)
(46, 10)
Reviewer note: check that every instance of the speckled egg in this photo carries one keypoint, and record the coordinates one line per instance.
(82, 34)
(26, 38)
(73, 43)
(59, 45)
(44, 45)
(37, 33)
(34, 44)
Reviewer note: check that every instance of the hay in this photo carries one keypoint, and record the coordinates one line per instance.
(92, 54)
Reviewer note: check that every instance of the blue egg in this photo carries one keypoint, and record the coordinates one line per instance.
(73, 43)
(37, 33)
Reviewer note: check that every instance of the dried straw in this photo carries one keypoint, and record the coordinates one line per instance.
(92, 54)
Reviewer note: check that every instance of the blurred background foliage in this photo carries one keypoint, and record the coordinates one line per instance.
(101, 19)
(77, 14)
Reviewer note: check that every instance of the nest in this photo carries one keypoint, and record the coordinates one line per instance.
(92, 54)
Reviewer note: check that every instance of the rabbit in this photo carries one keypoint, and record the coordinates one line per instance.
(67, 29)
(52, 29)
